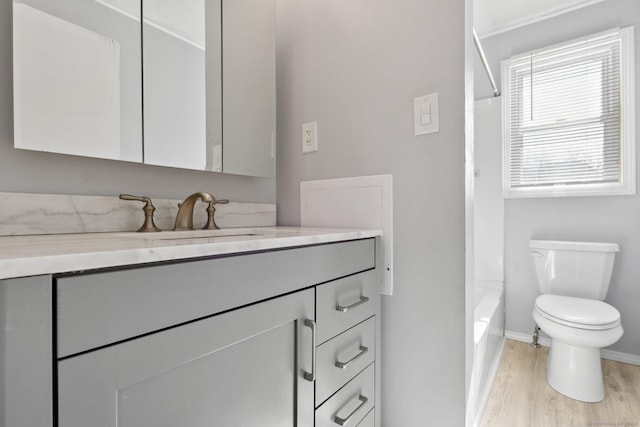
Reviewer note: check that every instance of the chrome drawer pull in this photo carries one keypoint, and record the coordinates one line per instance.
(343, 309)
(343, 365)
(311, 376)
(344, 421)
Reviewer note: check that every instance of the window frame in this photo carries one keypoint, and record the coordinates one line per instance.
(626, 184)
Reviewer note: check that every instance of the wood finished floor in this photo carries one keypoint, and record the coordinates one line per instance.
(521, 397)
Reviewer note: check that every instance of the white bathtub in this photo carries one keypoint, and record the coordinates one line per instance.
(488, 339)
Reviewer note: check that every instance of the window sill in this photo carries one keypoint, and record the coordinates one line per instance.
(570, 191)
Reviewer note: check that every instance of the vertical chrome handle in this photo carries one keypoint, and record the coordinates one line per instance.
(311, 324)
(344, 421)
(344, 309)
(343, 365)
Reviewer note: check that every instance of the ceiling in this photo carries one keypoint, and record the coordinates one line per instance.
(496, 16)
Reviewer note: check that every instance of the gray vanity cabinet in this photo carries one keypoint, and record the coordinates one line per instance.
(241, 368)
(26, 377)
(285, 337)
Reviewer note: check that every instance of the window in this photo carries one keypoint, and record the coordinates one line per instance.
(568, 117)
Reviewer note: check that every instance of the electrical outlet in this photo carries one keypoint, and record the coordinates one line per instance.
(310, 137)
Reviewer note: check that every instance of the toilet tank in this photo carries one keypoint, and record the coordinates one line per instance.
(578, 269)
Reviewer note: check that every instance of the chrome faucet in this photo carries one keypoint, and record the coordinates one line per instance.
(184, 219)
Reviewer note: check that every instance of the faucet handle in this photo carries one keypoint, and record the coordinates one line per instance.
(149, 225)
(211, 223)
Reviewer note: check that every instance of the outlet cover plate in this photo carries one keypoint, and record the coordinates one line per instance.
(425, 114)
(310, 137)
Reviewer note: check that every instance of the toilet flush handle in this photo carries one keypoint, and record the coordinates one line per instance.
(537, 253)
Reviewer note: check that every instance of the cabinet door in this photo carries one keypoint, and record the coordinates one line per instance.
(249, 87)
(181, 62)
(77, 77)
(25, 352)
(241, 368)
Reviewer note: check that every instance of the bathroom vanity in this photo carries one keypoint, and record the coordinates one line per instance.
(253, 327)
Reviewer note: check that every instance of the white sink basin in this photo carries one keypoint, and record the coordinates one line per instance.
(191, 234)
(187, 237)
(179, 238)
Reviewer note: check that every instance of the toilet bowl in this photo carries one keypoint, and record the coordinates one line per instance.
(574, 278)
(578, 328)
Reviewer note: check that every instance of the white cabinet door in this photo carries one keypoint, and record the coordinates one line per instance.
(241, 368)
(249, 87)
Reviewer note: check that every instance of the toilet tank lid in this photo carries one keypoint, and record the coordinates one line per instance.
(574, 246)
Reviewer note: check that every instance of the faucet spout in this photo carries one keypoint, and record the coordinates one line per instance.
(184, 219)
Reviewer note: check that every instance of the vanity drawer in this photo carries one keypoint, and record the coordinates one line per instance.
(346, 302)
(369, 420)
(351, 404)
(103, 308)
(353, 350)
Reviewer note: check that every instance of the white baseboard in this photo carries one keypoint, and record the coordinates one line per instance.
(616, 356)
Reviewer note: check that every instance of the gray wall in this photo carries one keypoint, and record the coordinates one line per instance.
(33, 172)
(614, 219)
(355, 67)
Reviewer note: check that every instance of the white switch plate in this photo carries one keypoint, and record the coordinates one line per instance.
(309, 137)
(425, 114)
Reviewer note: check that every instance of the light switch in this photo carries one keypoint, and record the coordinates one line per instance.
(425, 114)
(425, 111)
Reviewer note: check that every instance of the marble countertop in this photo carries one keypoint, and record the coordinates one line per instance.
(32, 255)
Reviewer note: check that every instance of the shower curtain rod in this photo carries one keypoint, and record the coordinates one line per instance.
(485, 63)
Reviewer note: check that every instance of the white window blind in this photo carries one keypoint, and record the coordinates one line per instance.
(565, 118)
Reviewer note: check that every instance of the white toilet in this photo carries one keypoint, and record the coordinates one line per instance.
(574, 279)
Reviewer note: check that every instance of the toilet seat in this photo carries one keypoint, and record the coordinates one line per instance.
(576, 312)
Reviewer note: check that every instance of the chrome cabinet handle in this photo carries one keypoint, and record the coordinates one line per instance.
(344, 309)
(343, 421)
(343, 365)
(312, 375)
